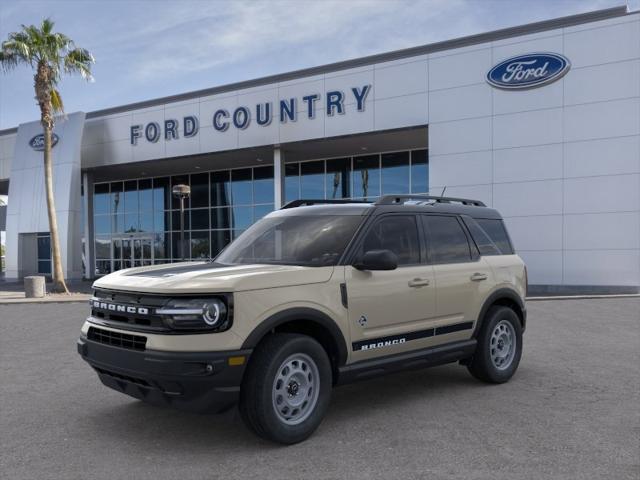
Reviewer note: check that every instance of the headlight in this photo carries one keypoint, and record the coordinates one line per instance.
(196, 314)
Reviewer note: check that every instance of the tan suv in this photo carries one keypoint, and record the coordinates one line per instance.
(316, 294)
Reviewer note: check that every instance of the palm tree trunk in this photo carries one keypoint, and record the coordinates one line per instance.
(59, 284)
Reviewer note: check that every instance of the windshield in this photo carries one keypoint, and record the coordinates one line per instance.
(313, 240)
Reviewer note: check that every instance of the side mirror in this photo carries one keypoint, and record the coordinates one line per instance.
(377, 260)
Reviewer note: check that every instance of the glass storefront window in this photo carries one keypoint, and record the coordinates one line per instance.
(242, 217)
(161, 194)
(200, 245)
(241, 191)
(175, 220)
(292, 181)
(131, 203)
(223, 204)
(366, 177)
(312, 179)
(395, 172)
(263, 185)
(145, 195)
(200, 219)
(419, 171)
(338, 178)
(200, 190)
(220, 218)
(260, 211)
(220, 189)
(219, 240)
(101, 199)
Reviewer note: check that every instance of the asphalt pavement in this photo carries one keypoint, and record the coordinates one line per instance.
(572, 411)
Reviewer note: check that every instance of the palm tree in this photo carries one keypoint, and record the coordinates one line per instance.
(50, 55)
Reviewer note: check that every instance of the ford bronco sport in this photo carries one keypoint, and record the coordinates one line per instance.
(316, 294)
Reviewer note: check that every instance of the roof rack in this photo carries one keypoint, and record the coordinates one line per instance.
(306, 202)
(396, 199)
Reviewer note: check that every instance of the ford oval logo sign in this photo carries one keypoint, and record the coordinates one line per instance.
(37, 142)
(528, 71)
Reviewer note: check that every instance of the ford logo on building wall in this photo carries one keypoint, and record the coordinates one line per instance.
(528, 71)
(37, 142)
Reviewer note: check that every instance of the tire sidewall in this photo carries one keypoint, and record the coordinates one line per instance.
(495, 316)
(276, 428)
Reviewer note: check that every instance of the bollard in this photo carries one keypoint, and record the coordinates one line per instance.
(34, 287)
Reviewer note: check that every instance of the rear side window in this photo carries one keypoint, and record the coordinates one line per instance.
(486, 246)
(496, 231)
(397, 233)
(447, 241)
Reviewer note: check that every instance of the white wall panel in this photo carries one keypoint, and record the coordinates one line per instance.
(470, 168)
(460, 103)
(506, 101)
(550, 41)
(460, 69)
(547, 228)
(117, 127)
(528, 198)
(601, 120)
(182, 145)
(475, 192)
(212, 140)
(609, 156)
(543, 268)
(403, 79)
(527, 128)
(397, 112)
(346, 81)
(611, 193)
(602, 82)
(599, 231)
(603, 45)
(303, 129)
(460, 136)
(527, 163)
(602, 267)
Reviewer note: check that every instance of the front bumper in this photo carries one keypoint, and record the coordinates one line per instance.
(192, 381)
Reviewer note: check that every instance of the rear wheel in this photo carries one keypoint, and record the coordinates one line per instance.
(287, 388)
(499, 346)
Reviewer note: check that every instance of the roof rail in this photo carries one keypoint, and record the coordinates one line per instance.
(306, 202)
(395, 199)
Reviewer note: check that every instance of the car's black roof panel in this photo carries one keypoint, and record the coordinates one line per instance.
(370, 208)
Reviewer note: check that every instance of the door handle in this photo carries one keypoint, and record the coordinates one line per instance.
(419, 282)
(477, 277)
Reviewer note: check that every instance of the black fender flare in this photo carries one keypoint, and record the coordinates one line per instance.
(501, 293)
(300, 314)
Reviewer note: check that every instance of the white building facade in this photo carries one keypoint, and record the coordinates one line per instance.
(540, 121)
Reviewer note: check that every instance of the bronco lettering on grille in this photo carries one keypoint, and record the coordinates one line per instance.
(113, 307)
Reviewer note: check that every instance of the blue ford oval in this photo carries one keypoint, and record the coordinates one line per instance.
(37, 142)
(528, 71)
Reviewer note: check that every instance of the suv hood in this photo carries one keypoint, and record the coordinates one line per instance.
(200, 277)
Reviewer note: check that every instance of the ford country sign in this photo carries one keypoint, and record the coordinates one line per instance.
(37, 142)
(528, 71)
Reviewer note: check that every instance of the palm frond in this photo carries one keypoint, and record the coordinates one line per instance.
(56, 101)
(79, 60)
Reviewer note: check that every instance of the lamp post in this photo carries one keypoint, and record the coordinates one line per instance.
(182, 192)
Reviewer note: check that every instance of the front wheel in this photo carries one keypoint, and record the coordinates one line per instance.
(499, 346)
(287, 387)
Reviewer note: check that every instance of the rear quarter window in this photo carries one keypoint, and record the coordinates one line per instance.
(490, 235)
(497, 233)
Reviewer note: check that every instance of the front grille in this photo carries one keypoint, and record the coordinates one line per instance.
(135, 320)
(117, 339)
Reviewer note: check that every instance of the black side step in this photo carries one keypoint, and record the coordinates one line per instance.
(426, 357)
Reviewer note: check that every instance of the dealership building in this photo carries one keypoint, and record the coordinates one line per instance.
(541, 121)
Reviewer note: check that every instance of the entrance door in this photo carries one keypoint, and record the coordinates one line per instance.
(132, 252)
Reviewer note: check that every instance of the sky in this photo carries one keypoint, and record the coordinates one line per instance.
(146, 49)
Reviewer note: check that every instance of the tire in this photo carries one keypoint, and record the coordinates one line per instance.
(492, 362)
(287, 372)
